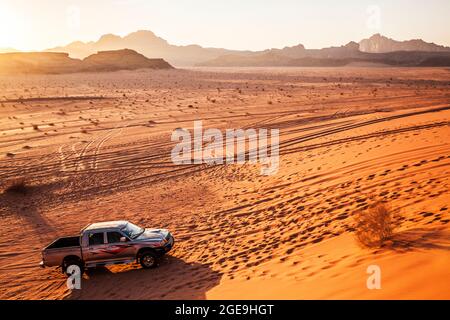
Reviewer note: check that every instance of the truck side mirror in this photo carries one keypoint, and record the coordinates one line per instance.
(123, 239)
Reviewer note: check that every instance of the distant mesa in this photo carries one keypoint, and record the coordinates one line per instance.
(38, 62)
(58, 63)
(125, 59)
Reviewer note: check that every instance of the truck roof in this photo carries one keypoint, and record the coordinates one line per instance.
(106, 225)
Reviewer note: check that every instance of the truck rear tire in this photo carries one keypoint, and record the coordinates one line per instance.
(68, 263)
(148, 260)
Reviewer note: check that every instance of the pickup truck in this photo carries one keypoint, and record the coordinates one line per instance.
(106, 243)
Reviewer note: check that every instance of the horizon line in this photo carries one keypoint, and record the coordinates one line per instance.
(124, 35)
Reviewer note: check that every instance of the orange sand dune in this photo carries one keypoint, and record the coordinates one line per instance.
(347, 136)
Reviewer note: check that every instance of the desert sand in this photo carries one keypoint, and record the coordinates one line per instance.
(96, 147)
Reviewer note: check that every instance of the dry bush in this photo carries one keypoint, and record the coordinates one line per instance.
(374, 226)
(17, 186)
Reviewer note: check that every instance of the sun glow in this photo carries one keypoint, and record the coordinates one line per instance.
(10, 26)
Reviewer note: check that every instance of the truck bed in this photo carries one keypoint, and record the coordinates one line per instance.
(65, 242)
(55, 252)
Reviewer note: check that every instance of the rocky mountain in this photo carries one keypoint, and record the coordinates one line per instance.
(152, 46)
(331, 57)
(380, 44)
(58, 63)
(290, 56)
(146, 43)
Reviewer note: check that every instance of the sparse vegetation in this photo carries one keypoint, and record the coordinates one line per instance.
(17, 186)
(375, 225)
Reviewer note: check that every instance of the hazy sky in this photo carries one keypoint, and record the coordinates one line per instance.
(233, 24)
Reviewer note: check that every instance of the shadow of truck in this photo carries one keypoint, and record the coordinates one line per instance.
(174, 279)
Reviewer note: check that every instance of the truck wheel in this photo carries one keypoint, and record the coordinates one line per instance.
(69, 263)
(148, 260)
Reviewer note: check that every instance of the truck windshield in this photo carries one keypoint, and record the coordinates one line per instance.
(132, 231)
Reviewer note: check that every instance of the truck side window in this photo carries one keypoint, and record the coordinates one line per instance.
(96, 239)
(114, 237)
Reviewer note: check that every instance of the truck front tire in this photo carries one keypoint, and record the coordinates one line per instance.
(148, 260)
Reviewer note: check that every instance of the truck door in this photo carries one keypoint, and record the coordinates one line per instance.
(119, 250)
(96, 250)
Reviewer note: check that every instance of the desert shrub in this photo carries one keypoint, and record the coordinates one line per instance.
(17, 186)
(375, 225)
